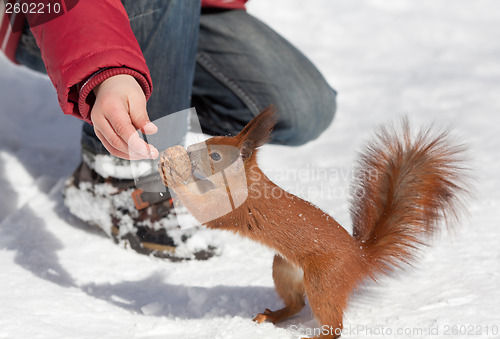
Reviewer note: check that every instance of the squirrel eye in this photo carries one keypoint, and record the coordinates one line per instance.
(215, 156)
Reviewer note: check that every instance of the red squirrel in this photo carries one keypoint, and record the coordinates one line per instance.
(405, 185)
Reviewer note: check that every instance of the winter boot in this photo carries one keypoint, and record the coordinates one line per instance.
(102, 192)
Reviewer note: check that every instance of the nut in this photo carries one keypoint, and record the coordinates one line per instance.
(175, 165)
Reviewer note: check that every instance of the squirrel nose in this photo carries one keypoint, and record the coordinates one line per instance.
(194, 157)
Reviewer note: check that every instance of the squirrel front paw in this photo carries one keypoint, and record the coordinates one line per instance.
(175, 166)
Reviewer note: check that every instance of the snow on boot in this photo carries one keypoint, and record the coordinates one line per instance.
(102, 193)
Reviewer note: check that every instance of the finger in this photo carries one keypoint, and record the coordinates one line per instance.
(122, 125)
(150, 128)
(139, 115)
(108, 133)
(120, 145)
(135, 142)
(116, 152)
(110, 148)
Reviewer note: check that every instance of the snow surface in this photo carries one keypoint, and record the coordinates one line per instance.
(433, 60)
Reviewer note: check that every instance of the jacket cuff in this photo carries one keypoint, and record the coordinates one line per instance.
(86, 98)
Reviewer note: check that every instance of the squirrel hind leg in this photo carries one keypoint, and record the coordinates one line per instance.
(289, 283)
(328, 310)
(328, 289)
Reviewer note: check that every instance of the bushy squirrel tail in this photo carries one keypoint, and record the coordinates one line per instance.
(405, 185)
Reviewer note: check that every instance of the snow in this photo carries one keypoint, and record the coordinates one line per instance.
(428, 59)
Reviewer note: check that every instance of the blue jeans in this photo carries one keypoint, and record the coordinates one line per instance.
(226, 64)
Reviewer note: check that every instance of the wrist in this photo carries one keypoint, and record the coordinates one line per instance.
(87, 95)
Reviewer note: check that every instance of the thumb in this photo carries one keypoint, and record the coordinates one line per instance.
(140, 118)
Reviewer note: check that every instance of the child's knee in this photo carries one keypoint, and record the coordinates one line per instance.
(304, 119)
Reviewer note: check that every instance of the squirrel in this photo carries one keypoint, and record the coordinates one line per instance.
(403, 189)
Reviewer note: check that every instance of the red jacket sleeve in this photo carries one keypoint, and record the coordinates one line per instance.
(88, 38)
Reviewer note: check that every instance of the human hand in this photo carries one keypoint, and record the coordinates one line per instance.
(119, 110)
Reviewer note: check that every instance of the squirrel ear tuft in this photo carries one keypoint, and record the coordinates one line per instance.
(257, 132)
(246, 149)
